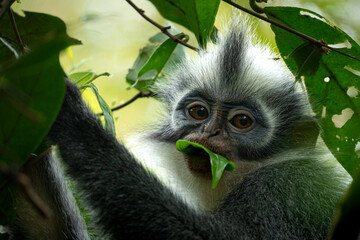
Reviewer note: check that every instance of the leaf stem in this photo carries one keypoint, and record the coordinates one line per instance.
(255, 7)
(162, 28)
(286, 28)
(16, 31)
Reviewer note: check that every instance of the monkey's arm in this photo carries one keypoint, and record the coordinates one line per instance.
(127, 199)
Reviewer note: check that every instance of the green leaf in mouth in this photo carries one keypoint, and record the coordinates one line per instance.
(218, 162)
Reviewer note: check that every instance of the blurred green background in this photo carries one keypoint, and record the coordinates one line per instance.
(112, 34)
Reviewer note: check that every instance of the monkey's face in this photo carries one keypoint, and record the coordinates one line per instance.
(236, 101)
(235, 130)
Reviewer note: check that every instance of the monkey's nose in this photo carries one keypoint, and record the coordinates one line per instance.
(210, 131)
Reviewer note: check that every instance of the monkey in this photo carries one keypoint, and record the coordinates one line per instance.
(237, 101)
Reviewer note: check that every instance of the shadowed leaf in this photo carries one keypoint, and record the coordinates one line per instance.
(328, 77)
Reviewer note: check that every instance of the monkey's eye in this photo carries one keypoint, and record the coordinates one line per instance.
(242, 121)
(197, 111)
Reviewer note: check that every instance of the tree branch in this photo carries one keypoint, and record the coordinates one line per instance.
(162, 28)
(140, 94)
(286, 28)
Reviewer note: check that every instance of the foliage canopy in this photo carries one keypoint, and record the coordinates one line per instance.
(32, 80)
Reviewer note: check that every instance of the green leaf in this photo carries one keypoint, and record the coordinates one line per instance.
(333, 83)
(307, 58)
(154, 61)
(31, 92)
(159, 57)
(304, 21)
(37, 82)
(144, 82)
(80, 78)
(31, 98)
(35, 29)
(218, 162)
(84, 80)
(109, 120)
(196, 15)
(85, 77)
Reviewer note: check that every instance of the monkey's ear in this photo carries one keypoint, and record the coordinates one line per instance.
(306, 132)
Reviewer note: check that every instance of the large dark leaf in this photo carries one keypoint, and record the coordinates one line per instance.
(332, 80)
(31, 93)
(196, 15)
(35, 29)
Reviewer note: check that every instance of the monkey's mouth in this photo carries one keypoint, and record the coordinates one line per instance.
(199, 163)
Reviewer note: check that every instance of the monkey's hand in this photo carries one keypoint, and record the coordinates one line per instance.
(73, 112)
(74, 120)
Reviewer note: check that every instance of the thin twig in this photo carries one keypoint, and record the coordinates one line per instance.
(162, 28)
(311, 39)
(16, 31)
(140, 94)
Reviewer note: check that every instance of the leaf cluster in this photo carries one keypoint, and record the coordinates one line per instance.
(328, 77)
